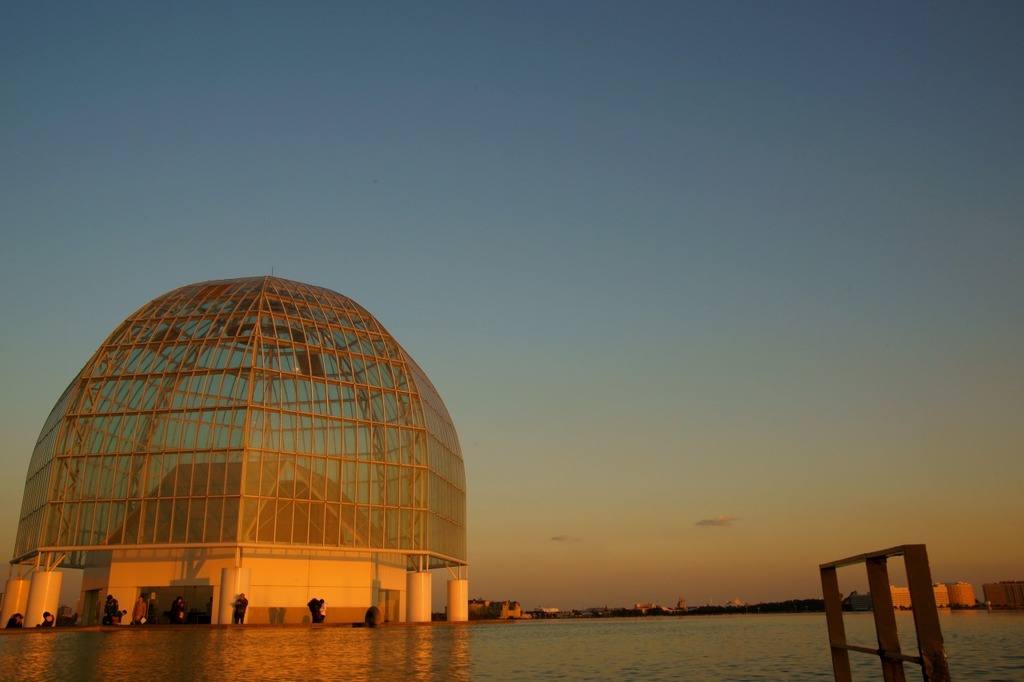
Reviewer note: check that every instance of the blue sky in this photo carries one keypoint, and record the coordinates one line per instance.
(666, 262)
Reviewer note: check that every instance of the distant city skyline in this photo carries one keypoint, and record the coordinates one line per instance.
(714, 293)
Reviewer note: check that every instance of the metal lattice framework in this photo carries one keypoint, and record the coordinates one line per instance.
(248, 412)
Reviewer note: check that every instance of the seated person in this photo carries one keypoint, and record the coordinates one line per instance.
(15, 621)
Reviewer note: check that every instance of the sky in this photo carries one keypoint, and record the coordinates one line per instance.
(715, 292)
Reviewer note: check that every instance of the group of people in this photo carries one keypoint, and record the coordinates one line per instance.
(176, 615)
(18, 620)
(112, 612)
(317, 610)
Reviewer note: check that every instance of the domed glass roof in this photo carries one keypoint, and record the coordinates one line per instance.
(248, 412)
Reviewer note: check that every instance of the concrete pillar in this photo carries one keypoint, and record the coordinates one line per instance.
(15, 599)
(43, 595)
(417, 584)
(233, 581)
(458, 601)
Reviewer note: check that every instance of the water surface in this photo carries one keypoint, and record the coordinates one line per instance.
(980, 646)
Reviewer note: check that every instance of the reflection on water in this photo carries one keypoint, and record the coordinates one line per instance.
(254, 653)
(981, 646)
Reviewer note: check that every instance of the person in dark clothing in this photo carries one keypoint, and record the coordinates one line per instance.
(177, 612)
(241, 604)
(47, 620)
(314, 609)
(15, 621)
(111, 611)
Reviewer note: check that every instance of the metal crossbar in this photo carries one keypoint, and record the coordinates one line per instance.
(931, 652)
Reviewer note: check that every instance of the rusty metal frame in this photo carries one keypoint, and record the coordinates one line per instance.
(931, 651)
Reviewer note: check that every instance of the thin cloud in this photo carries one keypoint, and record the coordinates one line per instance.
(564, 538)
(720, 520)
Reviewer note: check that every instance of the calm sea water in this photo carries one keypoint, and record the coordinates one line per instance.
(980, 646)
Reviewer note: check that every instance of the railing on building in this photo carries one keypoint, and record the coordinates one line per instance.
(931, 652)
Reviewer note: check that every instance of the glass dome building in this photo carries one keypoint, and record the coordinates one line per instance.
(253, 435)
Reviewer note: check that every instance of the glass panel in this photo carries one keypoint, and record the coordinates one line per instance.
(319, 436)
(318, 478)
(131, 523)
(200, 474)
(302, 470)
(335, 442)
(286, 477)
(150, 508)
(265, 524)
(300, 523)
(305, 434)
(288, 432)
(376, 534)
(268, 477)
(363, 483)
(196, 519)
(283, 519)
(393, 486)
(184, 477)
(391, 539)
(229, 524)
(233, 484)
(351, 439)
(348, 481)
(180, 522)
(351, 535)
(334, 400)
(332, 525)
(164, 518)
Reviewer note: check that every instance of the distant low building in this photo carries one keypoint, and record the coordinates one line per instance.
(961, 595)
(947, 595)
(859, 602)
(485, 609)
(900, 597)
(1005, 594)
(941, 596)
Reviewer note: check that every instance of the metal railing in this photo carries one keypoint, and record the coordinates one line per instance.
(931, 652)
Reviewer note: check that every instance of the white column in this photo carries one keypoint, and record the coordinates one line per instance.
(15, 599)
(417, 585)
(233, 581)
(43, 595)
(458, 600)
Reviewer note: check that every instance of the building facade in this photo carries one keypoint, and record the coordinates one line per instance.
(253, 435)
(1005, 594)
(961, 595)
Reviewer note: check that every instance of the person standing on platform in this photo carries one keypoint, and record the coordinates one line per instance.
(314, 610)
(322, 611)
(241, 604)
(177, 613)
(140, 611)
